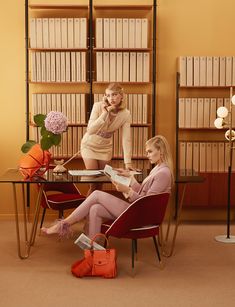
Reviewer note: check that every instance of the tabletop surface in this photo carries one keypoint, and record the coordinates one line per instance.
(13, 175)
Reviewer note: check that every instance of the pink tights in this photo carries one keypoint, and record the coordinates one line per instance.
(98, 206)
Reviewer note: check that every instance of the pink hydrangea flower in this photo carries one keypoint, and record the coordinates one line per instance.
(56, 122)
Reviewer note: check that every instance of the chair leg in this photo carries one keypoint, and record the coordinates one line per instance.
(133, 249)
(43, 215)
(157, 249)
(61, 214)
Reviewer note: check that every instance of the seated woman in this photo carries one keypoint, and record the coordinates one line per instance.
(100, 205)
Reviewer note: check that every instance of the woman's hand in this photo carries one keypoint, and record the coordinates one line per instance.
(121, 187)
(123, 172)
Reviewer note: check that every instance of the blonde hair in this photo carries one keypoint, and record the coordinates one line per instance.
(160, 143)
(116, 87)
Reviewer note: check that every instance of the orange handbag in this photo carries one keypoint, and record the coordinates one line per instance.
(100, 263)
(35, 162)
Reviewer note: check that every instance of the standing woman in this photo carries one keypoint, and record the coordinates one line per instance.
(106, 117)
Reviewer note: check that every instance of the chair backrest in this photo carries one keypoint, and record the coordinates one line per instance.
(147, 210)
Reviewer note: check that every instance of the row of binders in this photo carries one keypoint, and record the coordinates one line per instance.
(58, 66)
(136, 103)
(71, 141)
(73, 106)
(204, 157)
(121, 32)
(123, 66)
(201, 112)
(57, 33)
(206, 70)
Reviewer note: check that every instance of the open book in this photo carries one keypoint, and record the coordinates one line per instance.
(109, 171)
(85, 243)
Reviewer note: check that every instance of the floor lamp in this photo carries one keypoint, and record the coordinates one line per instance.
(220, 122)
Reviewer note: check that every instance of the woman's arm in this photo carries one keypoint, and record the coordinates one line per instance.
(96, 119)
(126, 140)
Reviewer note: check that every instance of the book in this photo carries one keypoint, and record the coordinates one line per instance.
(110, 172)
(85, 243)
(99, 32)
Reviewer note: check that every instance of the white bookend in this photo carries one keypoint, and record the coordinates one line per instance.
(200, 113)
(132, 66)
(181, 112)
(145, 109)
(113, 68)
(140, 108)
(146, 67)
(39, 67)
(99, 66)
(62, 67)
(196, 157)
(212, 112)
(58, 42)
(182, 69)
(209, 157)
(106, 66)
(131, 32)
(53, 69)
(58, 67)
(189, 158)
(67, 67)
(221, 157)
(144, 33)
(215, 71)
(32, 33)
(51, 33)
(43, 66)
(206, 117)
(39, 40)
(64, 33)
(83, 64)
(125, 68)
(138, 33)
(119, 32)
(228, 70)
(135, 108)
(33, 67)
(106, 32)
(78, 66)
(139, 67)
(99, 32)
(214, 157)
(83, 109)
(83, 33)
(48, 67)
(45, 32)
(222, 67)
(189, 68)
(73, 67)
(196, 71)
(209, 71)
(112, 33)
(182, 157)
(73, 109)
(194, 113)
(202, 157)
(76, 24)
(119, 67)
(188, 112)
(70, 33)
(202, 78)
(125, 33)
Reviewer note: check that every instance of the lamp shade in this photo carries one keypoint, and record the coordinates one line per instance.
(222, 112)
(218, 123)
(233, 99)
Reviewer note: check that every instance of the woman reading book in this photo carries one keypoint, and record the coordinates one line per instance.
(101, 205)
(106, 117)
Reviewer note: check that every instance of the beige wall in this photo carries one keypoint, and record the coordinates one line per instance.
(184, 27)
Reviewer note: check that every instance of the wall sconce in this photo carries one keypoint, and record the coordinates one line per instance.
(220, 123)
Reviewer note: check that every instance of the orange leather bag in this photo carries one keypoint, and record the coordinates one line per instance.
(100, 263)
(35, 162)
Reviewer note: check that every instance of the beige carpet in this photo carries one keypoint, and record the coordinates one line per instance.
(200, 273)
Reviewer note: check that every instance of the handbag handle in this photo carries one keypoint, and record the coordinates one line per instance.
(99, 235)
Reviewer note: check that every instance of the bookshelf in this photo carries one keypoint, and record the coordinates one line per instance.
(62, 68)
(200, 147)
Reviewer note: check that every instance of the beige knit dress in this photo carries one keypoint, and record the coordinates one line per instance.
(97, 142)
